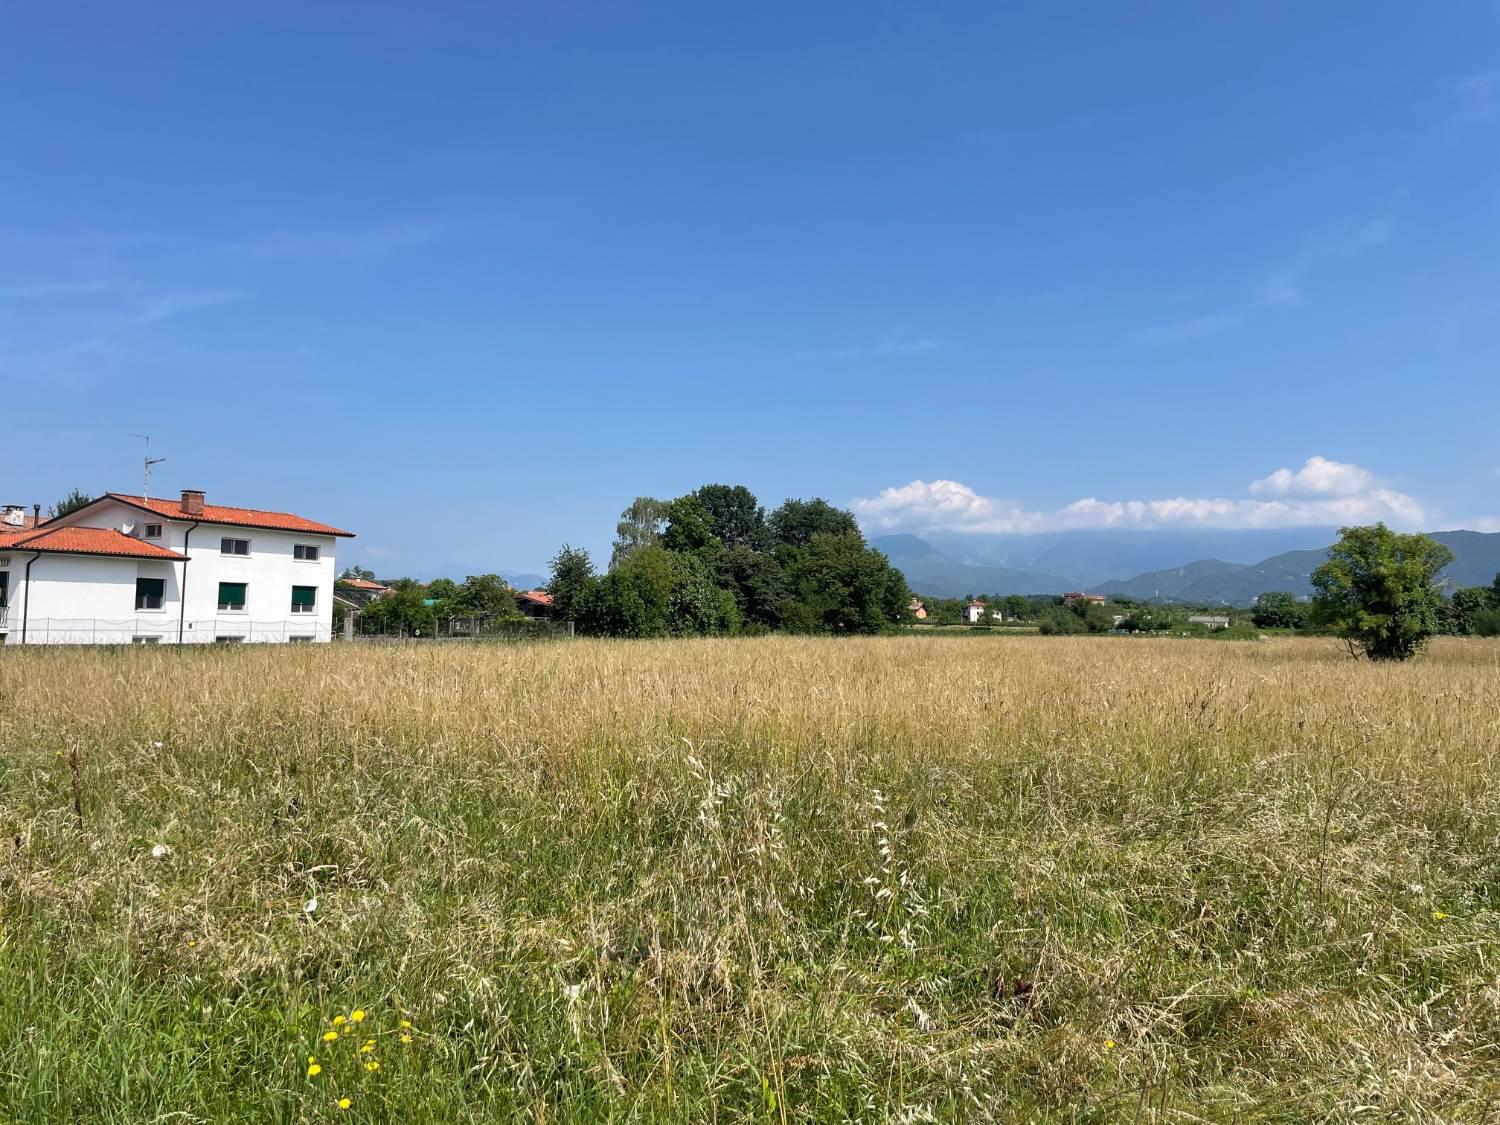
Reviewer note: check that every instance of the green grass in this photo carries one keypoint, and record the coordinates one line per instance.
(779, 880)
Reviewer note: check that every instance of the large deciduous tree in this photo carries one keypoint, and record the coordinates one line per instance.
(1378, 591)
(640, 525)
(797, 521)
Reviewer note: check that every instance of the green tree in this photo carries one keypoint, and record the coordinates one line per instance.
(1015, 607)
(1378, 591)
(734, 515)
(756, 581)
(69, 503)
(358, 572)
(640, 525)
(1279, 609)
(403, 611)
(689, 526)
(572, 575)
(797, 521)
(488, 597)
(838, 585)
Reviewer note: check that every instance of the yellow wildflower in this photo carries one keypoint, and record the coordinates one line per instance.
(313, 1070)
(345, 1103)
(337, 1020)
(1109, 1044)
(357, 1015)
(372, 1066)
(1439, 916)
(406, 1037)
(369, 1045)
(406, 1023)
(330, 1036)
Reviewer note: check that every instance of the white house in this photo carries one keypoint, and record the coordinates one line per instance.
(130, 570)
(974, 613)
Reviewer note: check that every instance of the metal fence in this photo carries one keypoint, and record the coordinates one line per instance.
(156, 631)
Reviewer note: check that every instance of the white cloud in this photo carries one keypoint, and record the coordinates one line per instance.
(1321, 493)
(1317, 477)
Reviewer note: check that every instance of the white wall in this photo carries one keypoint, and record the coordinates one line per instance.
(74, 596)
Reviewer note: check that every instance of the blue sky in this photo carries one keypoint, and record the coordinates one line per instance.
(468, 278)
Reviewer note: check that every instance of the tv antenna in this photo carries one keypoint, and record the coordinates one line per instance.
(146, 462)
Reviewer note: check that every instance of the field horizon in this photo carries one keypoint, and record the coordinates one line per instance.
(777, 879)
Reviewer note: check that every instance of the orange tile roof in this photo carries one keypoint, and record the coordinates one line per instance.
(541, 597)
(85, 541)
(236, 517)
(362, 584)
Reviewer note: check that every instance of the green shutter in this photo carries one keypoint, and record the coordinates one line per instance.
(304, 595)
(232, 593)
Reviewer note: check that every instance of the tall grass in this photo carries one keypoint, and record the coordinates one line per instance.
(908, 879)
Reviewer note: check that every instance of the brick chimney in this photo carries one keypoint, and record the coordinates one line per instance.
(192, 502)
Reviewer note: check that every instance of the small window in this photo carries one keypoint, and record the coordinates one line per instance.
(302, 639)
(148, 592)
(153, 531)
(145, 640)
(307, 552)
(228, 546)
(229, 640)
(304, 599)
(232, 596)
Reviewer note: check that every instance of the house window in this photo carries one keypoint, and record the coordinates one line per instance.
(228, 546)
(145, 640)
(148, 592)
(307, 552)
(304, 599)
(300, 639)
(232, 596)
(229, 640)
(153, 531)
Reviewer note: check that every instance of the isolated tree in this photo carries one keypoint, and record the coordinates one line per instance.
(572, 574)
(69, 503)
(797, 521)
(640, 525)
(1278, 609)
(1378, 591)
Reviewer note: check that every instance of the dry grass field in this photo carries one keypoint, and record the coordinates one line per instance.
(905, 879)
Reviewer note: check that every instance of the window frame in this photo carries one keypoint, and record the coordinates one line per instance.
(229, 607)
(146, 639)
(151, 531)
(298, 548)
(229, 544)
(160, 595)
(304, 608)
(230, 639)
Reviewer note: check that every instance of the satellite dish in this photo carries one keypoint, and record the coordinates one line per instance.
(127, 527)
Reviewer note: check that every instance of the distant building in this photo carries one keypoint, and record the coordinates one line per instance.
(1209, 621)
(918, 610)
(534, 603)
(1073, 597)
(974, 612)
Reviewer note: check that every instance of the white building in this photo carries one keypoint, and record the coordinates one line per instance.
(974, 613)
(128, 570)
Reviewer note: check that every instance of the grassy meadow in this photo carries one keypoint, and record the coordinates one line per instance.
(889, 879)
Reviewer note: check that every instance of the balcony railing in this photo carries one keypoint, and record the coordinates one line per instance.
(4, 616)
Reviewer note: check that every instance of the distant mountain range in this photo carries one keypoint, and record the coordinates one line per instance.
(1077, 558)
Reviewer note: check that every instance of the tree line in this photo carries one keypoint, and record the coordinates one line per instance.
(716, 562)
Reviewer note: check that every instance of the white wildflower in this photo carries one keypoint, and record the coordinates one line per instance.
(310, 906)
(160, 851)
